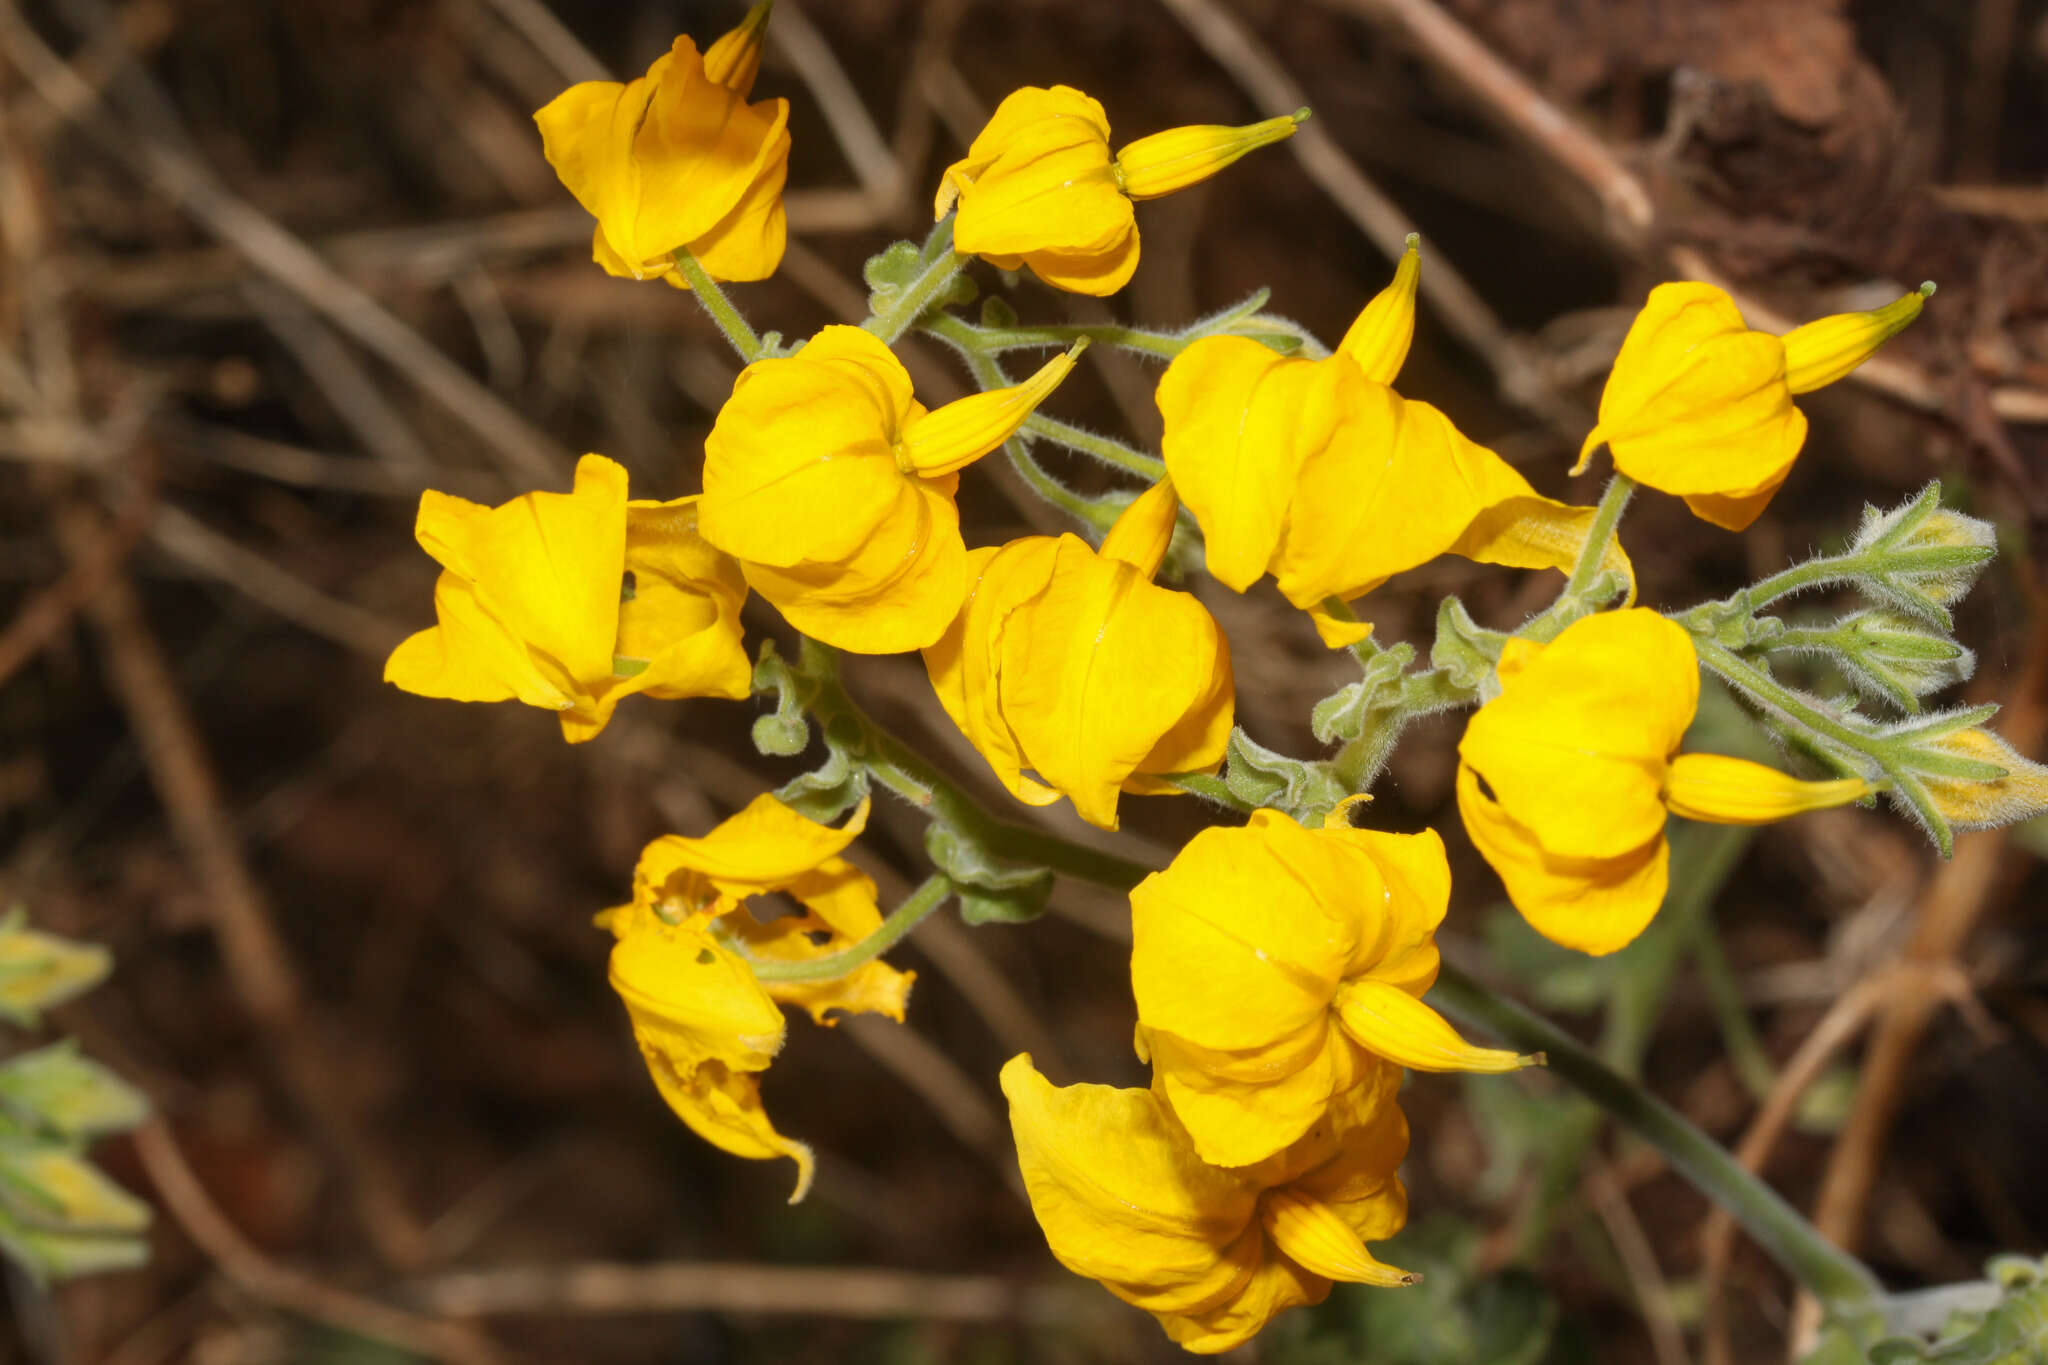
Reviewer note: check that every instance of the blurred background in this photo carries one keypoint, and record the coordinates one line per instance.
(271, 269)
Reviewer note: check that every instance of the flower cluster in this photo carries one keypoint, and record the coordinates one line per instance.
(1278, 966)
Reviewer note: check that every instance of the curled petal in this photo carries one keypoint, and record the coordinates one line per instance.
(1387, 1021)
(1827, 349)
(765, 847)
(1311, 1232)
(961, 432)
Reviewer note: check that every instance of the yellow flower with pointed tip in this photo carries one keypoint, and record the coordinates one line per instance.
(1700, 406)
(1278, 968)
(529, 603)
(678, 159)
(833, 487)
(1040, 188)
(1072, 663)
(1317, 472)
(1214, 1254)
(705, 1023)
(1566, 778)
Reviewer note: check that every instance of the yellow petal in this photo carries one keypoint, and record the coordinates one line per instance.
(1378, 339)
(1335, 631)
(748, 242)
(765, 847)
(1180, 157)
(899, 590)
(1098, 271)
(1596, 905)
(1985, 803)
(1123, 1198)
(542, 570)
(1310, 1232)
(962, 664)
(964, 430)
(1395, 486)
(1240, 943)
(469, 656)
(684, 616)
(800, 465)
(1239, 422)
(1825, 350)
(1698, 403)
(660, 160)
(706, 1028)
(735, 59)
(1397, 936)
(1534, 532)
(1241, 1108)
(1576, 745)
(1100, 665)
(1143, 531)
(1735, 791)
(1019, 110)
(1387, 1021)
(1050, 187)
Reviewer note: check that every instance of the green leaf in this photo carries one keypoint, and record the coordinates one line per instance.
(991, 890)
(1258, 776)
(1464, 649)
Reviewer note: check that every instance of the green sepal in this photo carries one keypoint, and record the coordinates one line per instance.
(1257, 776)
(991, 891)
(39, 971)
(56, 1088)
(787, 732)
(1348, 712)
(1465, 650)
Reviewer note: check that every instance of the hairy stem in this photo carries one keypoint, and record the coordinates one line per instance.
(714, 302)
(941, 265)
(928, 897)
(1840, 1281)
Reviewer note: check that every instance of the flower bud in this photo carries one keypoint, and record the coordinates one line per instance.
(2018, 790)
(1922, 556)
(1892, 655)
(1180, 157)
(1828, 348)
(735, 59)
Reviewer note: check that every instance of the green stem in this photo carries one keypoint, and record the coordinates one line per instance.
(941, 265)
(902, 770)
(1106, 449)
(1606, 520)
(1088, 511)
(905, 917)
(1724, 996)
(714, 302)
(997, 340)
(1840, 1281)
(1209, 787)
(1773, 696)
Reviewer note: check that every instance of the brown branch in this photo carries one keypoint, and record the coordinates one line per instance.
(243, 1263)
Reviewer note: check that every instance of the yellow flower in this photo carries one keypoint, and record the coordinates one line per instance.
(1214, 1254)
(1700, 406)
(833, 487)
(1074, 664)
(1319, 473)
(1566, 778)
(529, 604)
(1276, 966)
(1040, 188)
(706, 1025)
(678, 159)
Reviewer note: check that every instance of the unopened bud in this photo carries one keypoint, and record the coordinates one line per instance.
(1828, 348)
(1922, 556)
(735, 59)
(1180, 157)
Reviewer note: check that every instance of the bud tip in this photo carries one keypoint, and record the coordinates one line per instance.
(1300, 115)
(1412, 241)
(1080, 345)
(1412, 1277)
(1927, 289)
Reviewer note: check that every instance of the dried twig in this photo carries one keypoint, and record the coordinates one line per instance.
(241, 1261)
(1235, 48)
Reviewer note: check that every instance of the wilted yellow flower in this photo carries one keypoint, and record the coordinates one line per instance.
(678, 159)
(1214, 1254)
(833, 487)
(1074, 664)
(1040, 188)
(706, 1025)
(1701, 406)
(1319, 473)
(1566, 778)
(1275, 966)
(530, 603)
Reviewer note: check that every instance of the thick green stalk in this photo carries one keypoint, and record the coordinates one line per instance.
(1606, 521)
(1841, 1282)
(905, 917)
(1106, 449)
(714, 302)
